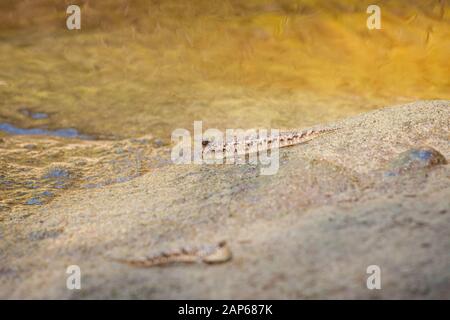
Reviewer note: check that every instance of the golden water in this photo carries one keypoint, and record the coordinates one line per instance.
(147, 67)
(139, 67)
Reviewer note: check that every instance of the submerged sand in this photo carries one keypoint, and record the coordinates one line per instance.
(337, 205)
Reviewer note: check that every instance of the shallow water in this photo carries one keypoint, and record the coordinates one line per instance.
(138, 68)
(65, 133)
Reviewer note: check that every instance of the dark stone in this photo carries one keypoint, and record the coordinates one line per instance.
(34, 115)
(415, 159)
(57, 173)
(140, 141)
(159, 143)
(44, 234)
(30, 146)
(33, 201)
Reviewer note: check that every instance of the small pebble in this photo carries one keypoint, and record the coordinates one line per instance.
(33, 201)
(140, 141)
(159, 143)
(81, 163)
(43, 234)
(39, 115)
(57, 173)
(30, 146)
(34, 115)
